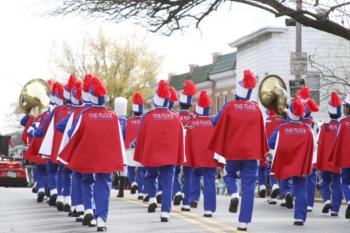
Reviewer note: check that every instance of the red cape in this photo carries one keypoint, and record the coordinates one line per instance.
(96, 146)
(340, 156)
(132, 127)
(326, 140)
(197, 136)
(61, 112)
(294, 150)
(240, 132)
(32, 153)
(272, 122)
(25, 137)
(160, 141)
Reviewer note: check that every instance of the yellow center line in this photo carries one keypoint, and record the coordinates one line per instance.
(200, 221)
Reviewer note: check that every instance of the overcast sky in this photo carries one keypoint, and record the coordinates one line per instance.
(27, 39)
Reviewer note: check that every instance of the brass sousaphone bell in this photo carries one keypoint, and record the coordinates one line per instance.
(273, 94)
(34, 97)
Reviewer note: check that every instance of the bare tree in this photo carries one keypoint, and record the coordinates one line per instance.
(167, 16)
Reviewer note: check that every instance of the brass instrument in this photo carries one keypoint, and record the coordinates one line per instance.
(34, 97)
(273, 94)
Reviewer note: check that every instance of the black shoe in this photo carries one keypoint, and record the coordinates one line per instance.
(283, 204)
(79, 219)
(194, 204)
(122, 184)
(271, 202)
(241, 229)
(52, 200)
(178, 199)
(59, 206)
(152, 208)
(71, 213)
(133, 189)
(101, 229)
(208, 215)
(146, 199)
(87, 219)
(298, 223)
(275, 193)
(334, 214)
(347, 212)
(140, 198)
(262, 193)
(185, 209)
(34, 190)
(40, 197)
(66, 208)
(164, 219)
(159, 199)
(234, 205)
(289, 201)
(77, 213)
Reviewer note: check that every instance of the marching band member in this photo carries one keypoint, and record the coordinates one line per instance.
(340, 153)
(310, 107)
(120, 107)
(186, 99)
(135, 170)
(293, 145)
(200, 157)
(96, 125)
(160, 147)
(330, 177)
(240, 138)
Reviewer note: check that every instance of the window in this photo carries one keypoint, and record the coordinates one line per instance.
(217, 103)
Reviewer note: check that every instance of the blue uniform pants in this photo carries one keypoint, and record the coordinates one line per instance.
(140, 179)
(67, 181)
(311, 187)
(299, 190)
(345, 183)
(87, 183)
(331, 181)
(177, 181)
(132, 174)
(187, 184)
(59, 179)
(102, 189)
(40, 177)
(196, 184)
(264, 177)
(209, 189)
(166, 174)
(248, 171)
(51, 169)
(285, 187)
(77, 195)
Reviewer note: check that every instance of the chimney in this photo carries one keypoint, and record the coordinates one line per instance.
(193, 67)
(215, 56)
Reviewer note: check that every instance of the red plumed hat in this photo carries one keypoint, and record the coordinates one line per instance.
(54, 88)
(298, 107)
(204, 100)
(173, 95)
(71, 81)
(304, 92)
(87, 82)
(59, 90)
(249, 80)
(98, 87)
(335, 100)
(312, 105)
(163, 89)
(77, 90)
(137, 98)
(189, 88)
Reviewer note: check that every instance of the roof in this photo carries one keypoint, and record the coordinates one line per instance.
(263, 31)
(178, 80)
(224, 63)
(201, 73)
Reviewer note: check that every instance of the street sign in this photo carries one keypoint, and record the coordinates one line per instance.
(298, 63)
(313, 80)
(295, 85)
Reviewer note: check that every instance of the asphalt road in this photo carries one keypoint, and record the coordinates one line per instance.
(21, 214)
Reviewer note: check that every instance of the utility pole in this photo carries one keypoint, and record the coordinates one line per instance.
(298, 45)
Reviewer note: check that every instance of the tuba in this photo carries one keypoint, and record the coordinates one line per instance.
(34, 97)
(273, 94)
